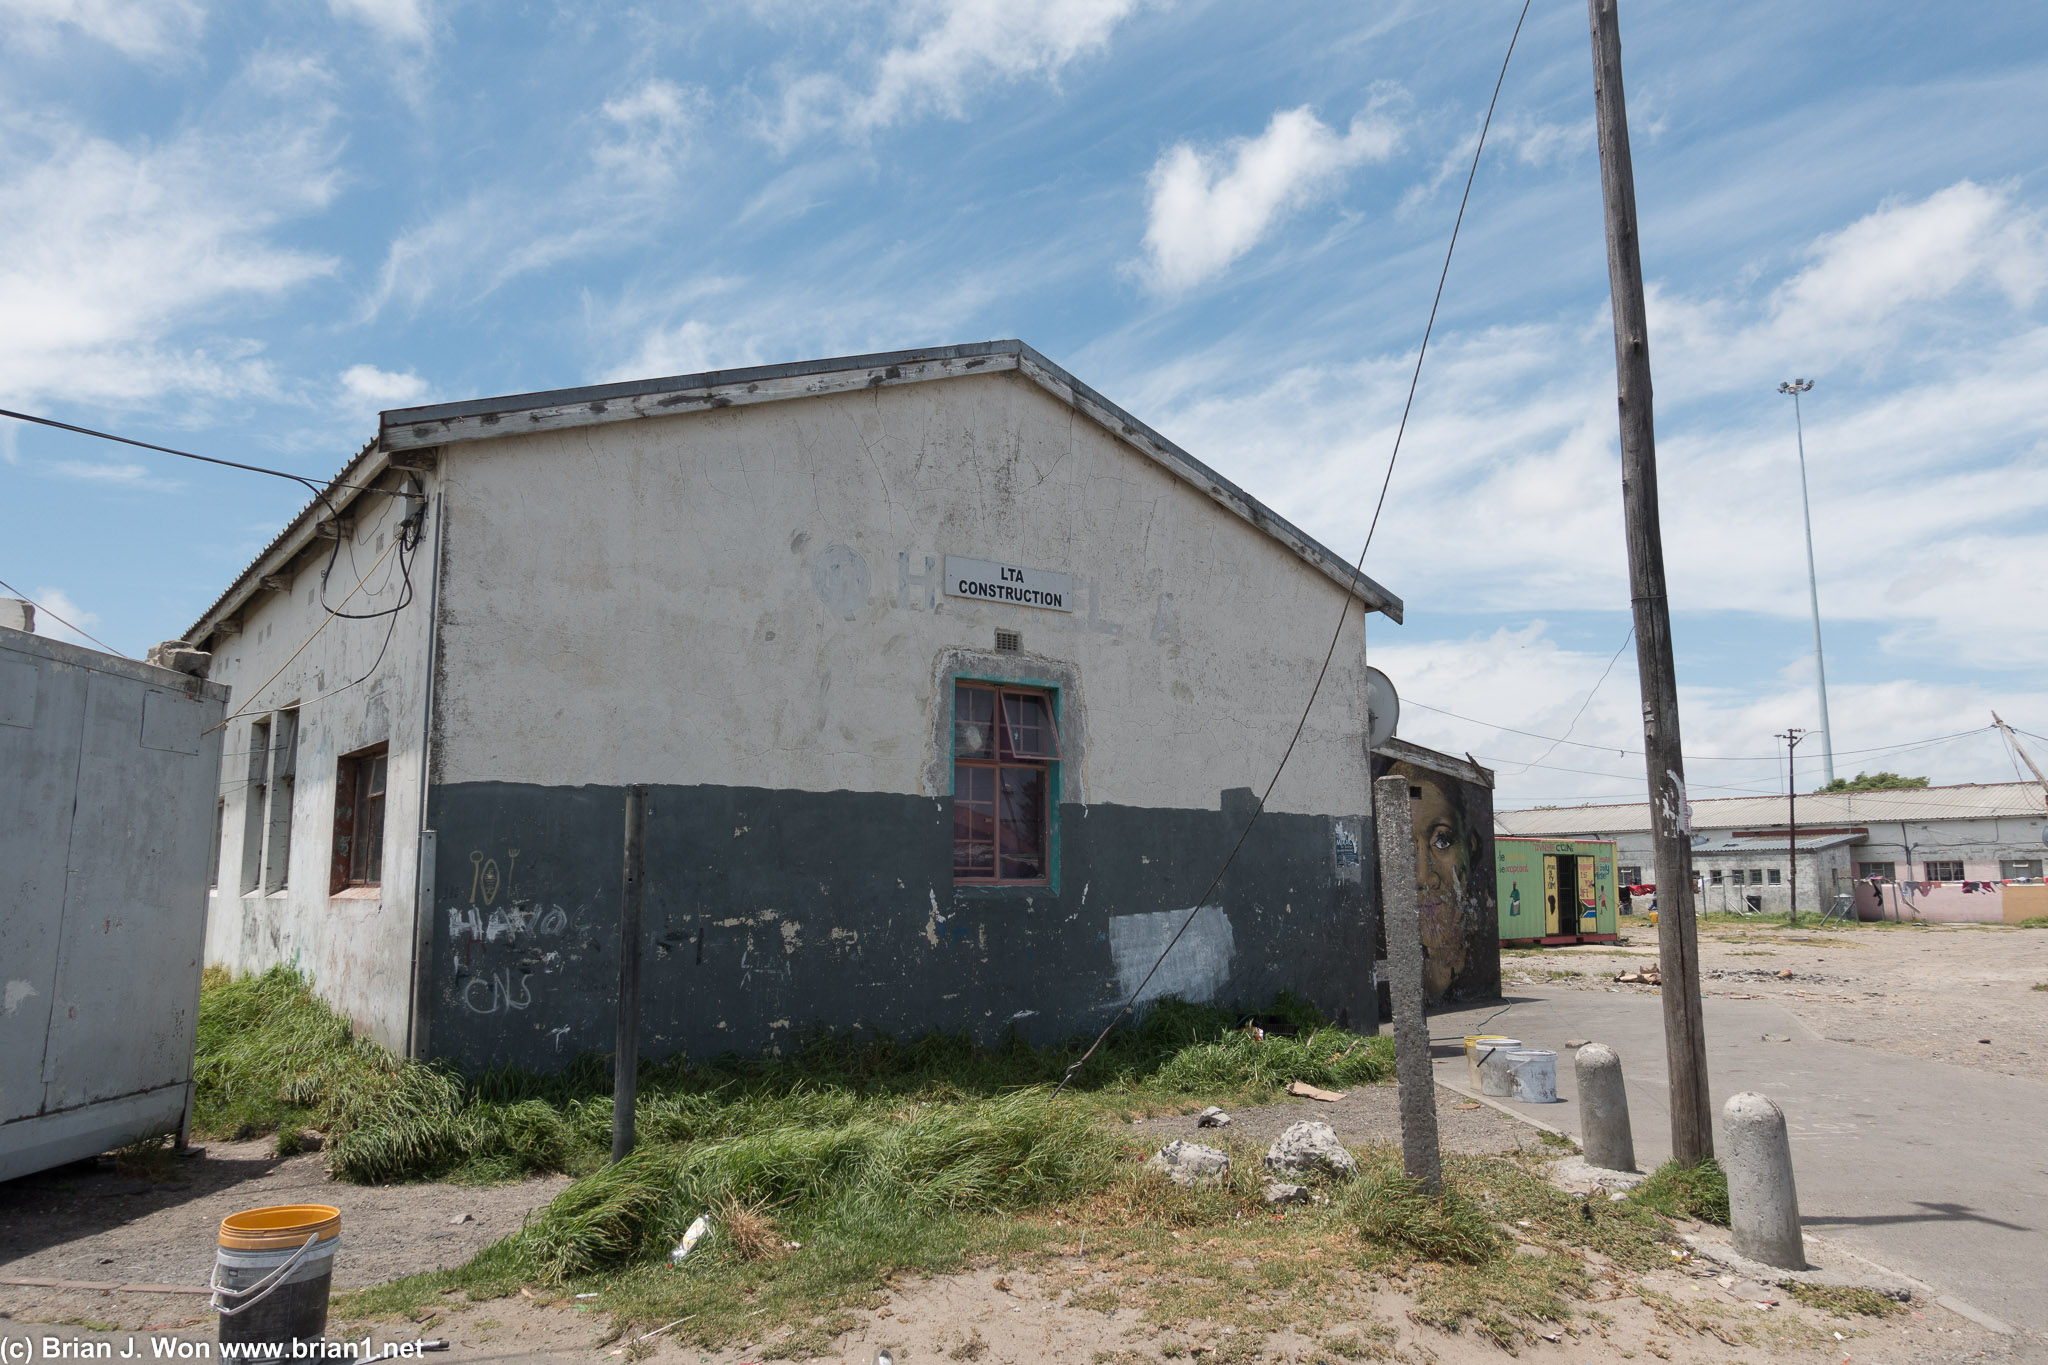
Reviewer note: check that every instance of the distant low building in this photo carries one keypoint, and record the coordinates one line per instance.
(1934, 853)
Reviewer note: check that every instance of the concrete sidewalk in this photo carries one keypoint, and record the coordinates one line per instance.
(1935, 1170)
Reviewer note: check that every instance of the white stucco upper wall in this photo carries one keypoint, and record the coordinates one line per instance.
(737, 597)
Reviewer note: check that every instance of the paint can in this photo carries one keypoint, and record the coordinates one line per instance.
(1495, 1077)
(273, 1271)
(1534, 1074)
(1477, 1045)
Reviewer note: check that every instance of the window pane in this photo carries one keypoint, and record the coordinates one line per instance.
(1027, 727)
(1022, 832)
(974, 722)
(974, 822)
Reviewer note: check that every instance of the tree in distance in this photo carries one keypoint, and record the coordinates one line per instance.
(1872, 782)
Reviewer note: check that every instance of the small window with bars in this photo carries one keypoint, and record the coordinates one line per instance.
(1939, 870)
(2019, 869)
(1884, 872)
(1006, 745)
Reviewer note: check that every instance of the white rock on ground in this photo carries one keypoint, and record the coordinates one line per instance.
(1278, 1192)
(1189, 1163)
(1212, 1117)
(1309, 1148)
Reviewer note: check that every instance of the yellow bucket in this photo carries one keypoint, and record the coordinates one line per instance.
(281, 1227)
(273, 1272)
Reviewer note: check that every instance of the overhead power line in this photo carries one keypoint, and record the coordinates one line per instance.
(315, 485)
(1690, 758)
(60, 620)
(1350, 587)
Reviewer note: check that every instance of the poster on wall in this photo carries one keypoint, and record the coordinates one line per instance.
(1454, 874)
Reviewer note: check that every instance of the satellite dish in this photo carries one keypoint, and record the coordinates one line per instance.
(1382, 708)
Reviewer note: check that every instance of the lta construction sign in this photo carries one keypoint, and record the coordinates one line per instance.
(989, 582)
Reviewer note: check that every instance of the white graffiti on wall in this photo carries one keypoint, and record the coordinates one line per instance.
(494, 994)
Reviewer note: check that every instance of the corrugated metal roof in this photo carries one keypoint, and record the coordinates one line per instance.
(1971, 801)
(244, 580)
(1774, 845)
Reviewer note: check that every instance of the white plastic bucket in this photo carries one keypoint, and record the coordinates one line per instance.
(1534, 1074)
(1495, 1075)
(1478, 1045)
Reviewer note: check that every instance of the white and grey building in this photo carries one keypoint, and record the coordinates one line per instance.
(952, 682)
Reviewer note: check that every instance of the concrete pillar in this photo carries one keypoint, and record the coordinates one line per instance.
(1395, 823)
(1763, 1204)
(1609, 1142)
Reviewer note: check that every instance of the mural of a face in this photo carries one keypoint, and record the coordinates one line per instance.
(1442, 869)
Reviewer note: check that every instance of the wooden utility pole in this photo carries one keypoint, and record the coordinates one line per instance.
(626, 1044)
(2014, 740)
(1792, 738)
(1685, 1040)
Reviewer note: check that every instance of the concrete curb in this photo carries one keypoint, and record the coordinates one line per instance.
(1838, 1266)
(1876, 1277)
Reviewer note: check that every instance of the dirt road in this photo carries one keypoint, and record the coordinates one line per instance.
(1959, 993)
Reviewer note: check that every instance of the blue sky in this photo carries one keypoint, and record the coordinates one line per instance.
(244, 229)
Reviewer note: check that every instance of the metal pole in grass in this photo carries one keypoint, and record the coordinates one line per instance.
(632, 892)
(1394, 820)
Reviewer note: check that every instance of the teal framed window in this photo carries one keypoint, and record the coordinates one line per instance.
(1006, 754)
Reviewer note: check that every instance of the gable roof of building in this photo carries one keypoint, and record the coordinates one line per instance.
(1914, 805)
(593, 404)
(476, 419)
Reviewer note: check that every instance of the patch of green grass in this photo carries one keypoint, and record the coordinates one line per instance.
(1844, 1300)
(273, 1057)
(2035, 922)
(1686, 1192)
(1396, 1215)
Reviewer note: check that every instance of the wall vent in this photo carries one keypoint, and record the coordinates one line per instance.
(1009, 641)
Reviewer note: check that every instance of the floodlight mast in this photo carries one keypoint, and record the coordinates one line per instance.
(1795, 387)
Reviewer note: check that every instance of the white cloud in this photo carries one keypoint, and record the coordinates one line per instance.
(368, 386)
(1927, 446)
(125, 475)
(402, 21)
(111, 254)
(52, 603)
(630, 152)
(1525, 679)
(942, 55)
(1206, 210)
(139, 29)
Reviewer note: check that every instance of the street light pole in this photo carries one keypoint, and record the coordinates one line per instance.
(1820, 668)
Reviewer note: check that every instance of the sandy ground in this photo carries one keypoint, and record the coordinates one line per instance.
(1962, 994)
(91, 1224)
(1010, 1316)
(1367, 1114)
(84, 1222)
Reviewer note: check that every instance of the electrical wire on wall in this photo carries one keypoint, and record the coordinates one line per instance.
(1350, 587)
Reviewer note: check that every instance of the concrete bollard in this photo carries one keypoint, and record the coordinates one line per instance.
(1763, 1205)
(1609, 1142)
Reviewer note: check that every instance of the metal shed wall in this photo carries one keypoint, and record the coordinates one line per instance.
(107, 773)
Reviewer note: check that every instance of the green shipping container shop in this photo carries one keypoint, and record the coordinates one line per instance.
(1555, 890)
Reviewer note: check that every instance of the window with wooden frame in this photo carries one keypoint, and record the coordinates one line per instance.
(1006, 747)
(359, 819)
(1944, 871)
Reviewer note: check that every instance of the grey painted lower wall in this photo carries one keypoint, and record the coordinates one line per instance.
(772, 912)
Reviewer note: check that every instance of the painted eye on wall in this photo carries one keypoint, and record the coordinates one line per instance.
(1440, 839)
